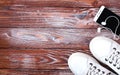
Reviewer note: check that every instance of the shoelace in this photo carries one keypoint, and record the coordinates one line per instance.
(93, 70)
(114, 58)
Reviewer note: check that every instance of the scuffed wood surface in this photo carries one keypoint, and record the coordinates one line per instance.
(34, 72)
(38, 36)
(60, 3)
(48, 37)
(36, 58)
(49, 17)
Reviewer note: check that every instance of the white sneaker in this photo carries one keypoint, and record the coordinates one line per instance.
(83, 64)
(107, 51)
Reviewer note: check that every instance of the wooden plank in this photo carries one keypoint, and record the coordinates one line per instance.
(60, 3)
(48, 37)
(34, 72)
(49, 17)
(48, 3)
(36, 58)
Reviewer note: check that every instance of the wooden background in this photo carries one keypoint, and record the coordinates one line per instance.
(38, 36)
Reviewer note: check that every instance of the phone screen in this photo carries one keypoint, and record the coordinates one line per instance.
(111, 19)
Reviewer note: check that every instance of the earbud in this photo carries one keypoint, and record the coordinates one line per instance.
(103, 23)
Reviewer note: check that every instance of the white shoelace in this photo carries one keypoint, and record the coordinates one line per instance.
(114, 59)
(93, 70)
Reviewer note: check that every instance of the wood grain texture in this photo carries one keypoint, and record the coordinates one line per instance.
(48, 37)
(49, 17)
(38, 36)
(60, 3)
(36, 58)
(34, 72)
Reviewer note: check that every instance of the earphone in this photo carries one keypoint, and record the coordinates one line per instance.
(104, 22)
(116, 37)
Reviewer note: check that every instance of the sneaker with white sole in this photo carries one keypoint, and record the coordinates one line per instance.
(83, 64)
(106, 51)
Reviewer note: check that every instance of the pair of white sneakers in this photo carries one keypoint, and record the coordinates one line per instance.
(104, 50)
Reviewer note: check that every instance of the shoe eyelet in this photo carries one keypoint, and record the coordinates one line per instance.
(99, 70)
(114, 64)
(114, 48)
(118, 68)
(110, 62)
(91, 64)
(118, 52)
(95, 67)
(103, 72)
(106, 59)
(109, 73)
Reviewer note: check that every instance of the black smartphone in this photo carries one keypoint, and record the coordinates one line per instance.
(108, 19)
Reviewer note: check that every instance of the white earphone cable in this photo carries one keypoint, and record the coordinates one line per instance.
(115, 36)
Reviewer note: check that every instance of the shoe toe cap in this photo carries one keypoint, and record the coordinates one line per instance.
(77, 63)
(100, 47)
